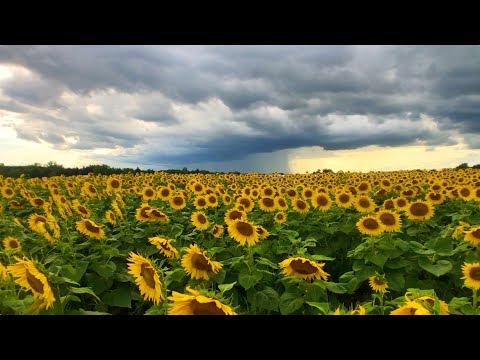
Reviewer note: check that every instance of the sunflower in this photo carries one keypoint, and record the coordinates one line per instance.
(35, 222)
(29, 277)
(321, 202)
(15, 204)
(227, 199)
(473, 236)
(141, 213)
(113, 184)
(360, 310)
(200, 202)
(307, 193)
(177, 202)
(246, 203)
(89, 228)
(401, 203)
(390, 220)
(411, 308)
(196, 304)
(217, 230)
(89, 190)
(471, 275)
(300, 206)
(378, 283)
(164, 193)
(234, 214)
(364, 204)
(197, 188)
(303, 268)
(148, 194)
(369, 225)
(280, 217)
(110, 216)
(419, 210)
(165, 246)
(281, 203)
(435, 198)
(81, 209)
(262, 232)
(146, 277)
(267, 204)
(11, 243)
(429, 302)
(212, 200)
(8, 192)
(199, 220)
(157, 215)
(466, 192)
(198, 265)
(243, 231)
(291, 193)
(344, 199)
(460, 229)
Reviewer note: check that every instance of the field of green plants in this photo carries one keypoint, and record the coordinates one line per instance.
(377, 243)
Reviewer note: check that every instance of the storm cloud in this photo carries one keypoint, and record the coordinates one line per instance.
(180, 105)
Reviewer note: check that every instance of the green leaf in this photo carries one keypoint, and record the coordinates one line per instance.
(176, 275)
(442, 246)
(337, 288)
(378, 259)
(155, 310)
(395, 281)
(66, 299)
(289, 303)
(120, 297)
(84, 312)
(267, 262)
(176, 230)
(440, 268)
(323, 307)
(319, 257)
(247, 280)
(220, 277)
(75, 274)
(216, 250)
(225, 287)
(267, 299)
(418, 248)
(104, 270)
(84, 290)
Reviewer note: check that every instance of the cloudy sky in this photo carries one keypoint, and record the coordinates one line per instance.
(246, 108)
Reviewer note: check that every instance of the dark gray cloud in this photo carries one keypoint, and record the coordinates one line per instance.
(181, 105)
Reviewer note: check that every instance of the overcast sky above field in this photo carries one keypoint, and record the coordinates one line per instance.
(246, 108)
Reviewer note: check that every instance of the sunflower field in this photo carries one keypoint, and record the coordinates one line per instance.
(377, 243)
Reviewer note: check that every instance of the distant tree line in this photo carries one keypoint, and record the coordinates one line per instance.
(53, 169)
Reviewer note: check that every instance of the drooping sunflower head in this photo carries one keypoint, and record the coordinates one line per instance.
(197, 303)
(471, 275)
(37, 202)
(110, 216)
(157, 215)
(165, 246)
(303, 268)
(217, 230)
(141, 213)
(411, 308)
(199, 220)
(369, 225)
(262, 232)
(11, 243)
(80, 209)
(89, 228)
(390, 220)
(3, 272)
(37, 222)
(28, 276)
(419, 210)
(146, 277)
(378, 283)
(473, 236)
(198, 265)
(243, 231)
(280, 217)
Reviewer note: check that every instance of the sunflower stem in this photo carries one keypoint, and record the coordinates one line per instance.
(475, 299)
(381, 304)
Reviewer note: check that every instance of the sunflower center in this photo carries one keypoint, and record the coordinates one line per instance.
(92, 189)
(476, 233)
(379, 281)
(245, 202)
(216, 229)
(9, 192)
(435, 197)
(40, 219)
(268, 192)
(344, 198)
(148, 274)
(387, 219)
(364, 203)
(234, 215)
(63, 200)
(304, 268)
(39, 202)
(177, 200)
(92, 228)
(149, 192)
(322, 201)
(371, 224)
(475, 273)
(408, 192)
(201, 202)
(386, 183)
(280, 216)
(363, 187)
(419, 209)
(308, 194)
(209, 308)
(200, 262)
(82, 210)
(436, 187)
(301, 205)
(212, 199)
(201, 219)
(156, 213)
(291, 193)
(389, 204)
(144, 210)
(282, 202)
(35, 283)
(13, 244)
(165, 192)
(260, 230)
(115, 184)
(198, 188)
(268, 202)
(465, 192)
(401, 203)
(244, 228)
